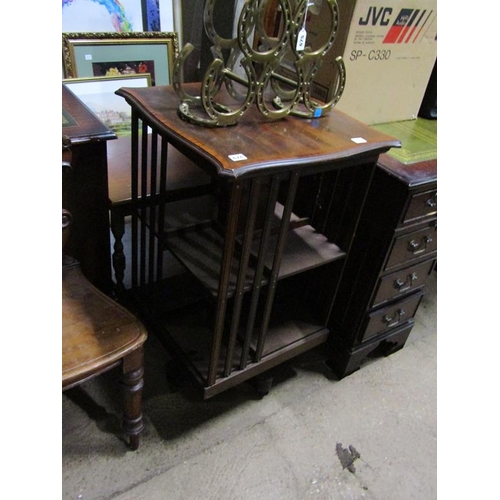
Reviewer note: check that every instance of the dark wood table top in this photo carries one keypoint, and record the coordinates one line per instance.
(290, 142)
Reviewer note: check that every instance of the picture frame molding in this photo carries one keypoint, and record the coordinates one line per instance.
(72, 40)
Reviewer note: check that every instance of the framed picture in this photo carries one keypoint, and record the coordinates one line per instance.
(102, 16)
(87, 55)
(98, 94)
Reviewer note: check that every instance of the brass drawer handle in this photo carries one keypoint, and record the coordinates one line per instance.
(394, 320)
(417, 248)
(432, 202)
(402, 286)
(67, 218)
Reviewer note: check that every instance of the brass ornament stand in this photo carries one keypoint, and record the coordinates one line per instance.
(276, 95)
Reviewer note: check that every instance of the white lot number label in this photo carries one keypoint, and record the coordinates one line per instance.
(301, 39)
(358, 140)
(238, 157)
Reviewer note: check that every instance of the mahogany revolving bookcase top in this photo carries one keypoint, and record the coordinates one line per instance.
(259, 237)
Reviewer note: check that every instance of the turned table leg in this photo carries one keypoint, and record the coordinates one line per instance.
(133, 372)
(119, 261)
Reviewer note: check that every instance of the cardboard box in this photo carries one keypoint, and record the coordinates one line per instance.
(389, 49)
(389, 55)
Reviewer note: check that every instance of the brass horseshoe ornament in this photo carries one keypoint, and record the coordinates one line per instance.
(269, 58)
(260, 81)
(307, 63)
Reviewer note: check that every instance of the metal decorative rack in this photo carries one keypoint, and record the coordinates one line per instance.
(260, 56)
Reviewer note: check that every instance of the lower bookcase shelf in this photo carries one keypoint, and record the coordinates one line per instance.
(183, 314)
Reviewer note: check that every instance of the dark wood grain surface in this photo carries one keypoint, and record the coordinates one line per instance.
(270, 144)
(89, 241)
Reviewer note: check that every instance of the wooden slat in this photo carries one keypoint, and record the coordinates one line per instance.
(278, 253)
(242, 274)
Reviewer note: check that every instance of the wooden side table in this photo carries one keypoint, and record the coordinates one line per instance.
(89, 242)
(263, 252)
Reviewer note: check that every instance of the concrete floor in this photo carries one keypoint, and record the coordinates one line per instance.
(286, 446)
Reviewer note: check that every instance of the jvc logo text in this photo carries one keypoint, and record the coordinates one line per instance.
(376, 16)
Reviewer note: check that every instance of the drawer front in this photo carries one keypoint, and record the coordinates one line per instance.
(411, 246)
(421, 205)
(391, 316)
(401, 282)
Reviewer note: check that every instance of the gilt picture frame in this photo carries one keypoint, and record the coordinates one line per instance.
(91, 55)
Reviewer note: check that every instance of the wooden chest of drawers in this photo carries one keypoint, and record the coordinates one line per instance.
(392, 256)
